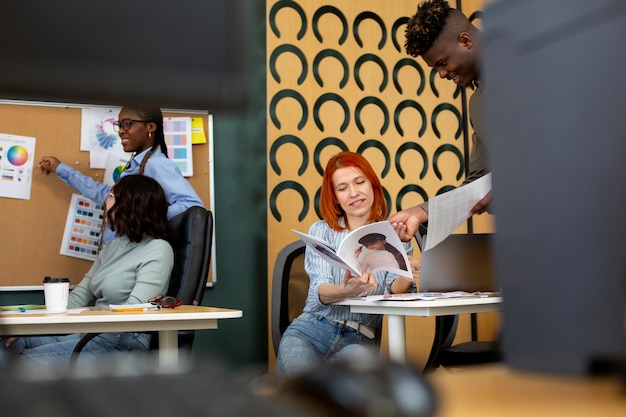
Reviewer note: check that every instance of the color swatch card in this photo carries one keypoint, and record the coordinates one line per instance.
(16, 165)
(82, 228)
(177, 132)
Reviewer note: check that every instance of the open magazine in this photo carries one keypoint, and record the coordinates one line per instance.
(370, 248)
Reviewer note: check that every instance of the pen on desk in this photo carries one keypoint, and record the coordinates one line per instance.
(129, 309)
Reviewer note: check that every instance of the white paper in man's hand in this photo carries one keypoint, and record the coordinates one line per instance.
(449, 210)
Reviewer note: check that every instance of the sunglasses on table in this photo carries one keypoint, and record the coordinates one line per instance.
(165, 301)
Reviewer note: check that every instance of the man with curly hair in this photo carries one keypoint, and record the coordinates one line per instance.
(449, 43)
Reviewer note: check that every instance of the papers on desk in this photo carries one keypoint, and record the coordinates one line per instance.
(414, 296)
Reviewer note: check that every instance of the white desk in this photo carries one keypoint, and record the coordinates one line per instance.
(397, 310)
(167, 322)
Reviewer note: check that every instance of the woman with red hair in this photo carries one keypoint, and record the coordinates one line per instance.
(351, 197)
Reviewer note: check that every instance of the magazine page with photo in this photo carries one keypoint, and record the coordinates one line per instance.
(370, 248)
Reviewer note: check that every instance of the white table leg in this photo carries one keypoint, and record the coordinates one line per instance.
(396, 332)
(168, 348)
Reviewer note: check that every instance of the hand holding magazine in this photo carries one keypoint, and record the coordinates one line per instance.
(370, 248)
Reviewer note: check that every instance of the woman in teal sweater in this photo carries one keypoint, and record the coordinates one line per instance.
(128, 270)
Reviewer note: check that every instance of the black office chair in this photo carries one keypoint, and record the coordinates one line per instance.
(472, 352)
(191, 238)
(290, 286)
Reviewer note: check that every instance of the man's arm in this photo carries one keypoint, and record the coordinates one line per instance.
(407, 222)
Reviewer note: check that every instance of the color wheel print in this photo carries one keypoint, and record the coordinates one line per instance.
(105, 134)
(17, 155)
(117, 172)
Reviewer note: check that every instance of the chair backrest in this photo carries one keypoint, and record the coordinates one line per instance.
(290, 287)
(191, 237)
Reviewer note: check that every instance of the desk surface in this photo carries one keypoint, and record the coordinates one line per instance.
(496, 391)
(179, 318)
(425, 308)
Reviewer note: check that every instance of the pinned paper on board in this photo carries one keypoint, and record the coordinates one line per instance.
(98, 135)
(115, 165)
(16, 165)
(198, 135)
(82, 228)
(177, 132)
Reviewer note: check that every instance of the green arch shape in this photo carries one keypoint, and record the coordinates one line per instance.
(369, 15)
(411, 188)
(373, 143)
(447, 107)
(331, 97)
(394, 29)
(334, 54)
(445, 189)
(373, 58)
(316, 202)
(415, 105)
(317, 152)
(408, 62)
(332, 10)
(433, 76)
(292, 5)
(448, 148)
(288, 48)
(292, 94)
(411, 146)
(295, 141)
(387, 198)
(378, 103)
(289, 185)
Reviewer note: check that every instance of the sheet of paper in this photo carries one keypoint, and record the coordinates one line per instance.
(415, 296)
(177, 132)
(114, 166)
(449, 210)
(82, 228)
(98, 135)
(197, 131)
(16, 163)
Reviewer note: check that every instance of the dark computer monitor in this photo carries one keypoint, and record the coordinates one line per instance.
(178, 54)
(555, 91)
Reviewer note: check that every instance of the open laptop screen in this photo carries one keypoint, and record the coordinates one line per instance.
(460, 263)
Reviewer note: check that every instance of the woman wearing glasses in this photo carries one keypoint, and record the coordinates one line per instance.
(130, 269)
(141, 131)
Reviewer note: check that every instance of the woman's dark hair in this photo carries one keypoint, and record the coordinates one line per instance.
(140, 208)
(152, 114)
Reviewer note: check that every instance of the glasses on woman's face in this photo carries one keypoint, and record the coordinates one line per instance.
(109, 194)
(126, 124)
(165, 301)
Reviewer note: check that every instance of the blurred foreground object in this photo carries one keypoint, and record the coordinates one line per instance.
(555, 96)
(186, 54)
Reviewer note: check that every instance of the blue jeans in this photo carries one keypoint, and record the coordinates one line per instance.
(311, 340)
(56, 350)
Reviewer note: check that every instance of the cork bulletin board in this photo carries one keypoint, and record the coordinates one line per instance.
(31, 231)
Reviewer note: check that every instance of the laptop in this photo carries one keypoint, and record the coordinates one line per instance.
(461, 262)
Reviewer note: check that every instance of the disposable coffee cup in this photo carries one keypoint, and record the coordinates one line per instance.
(56, 292)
